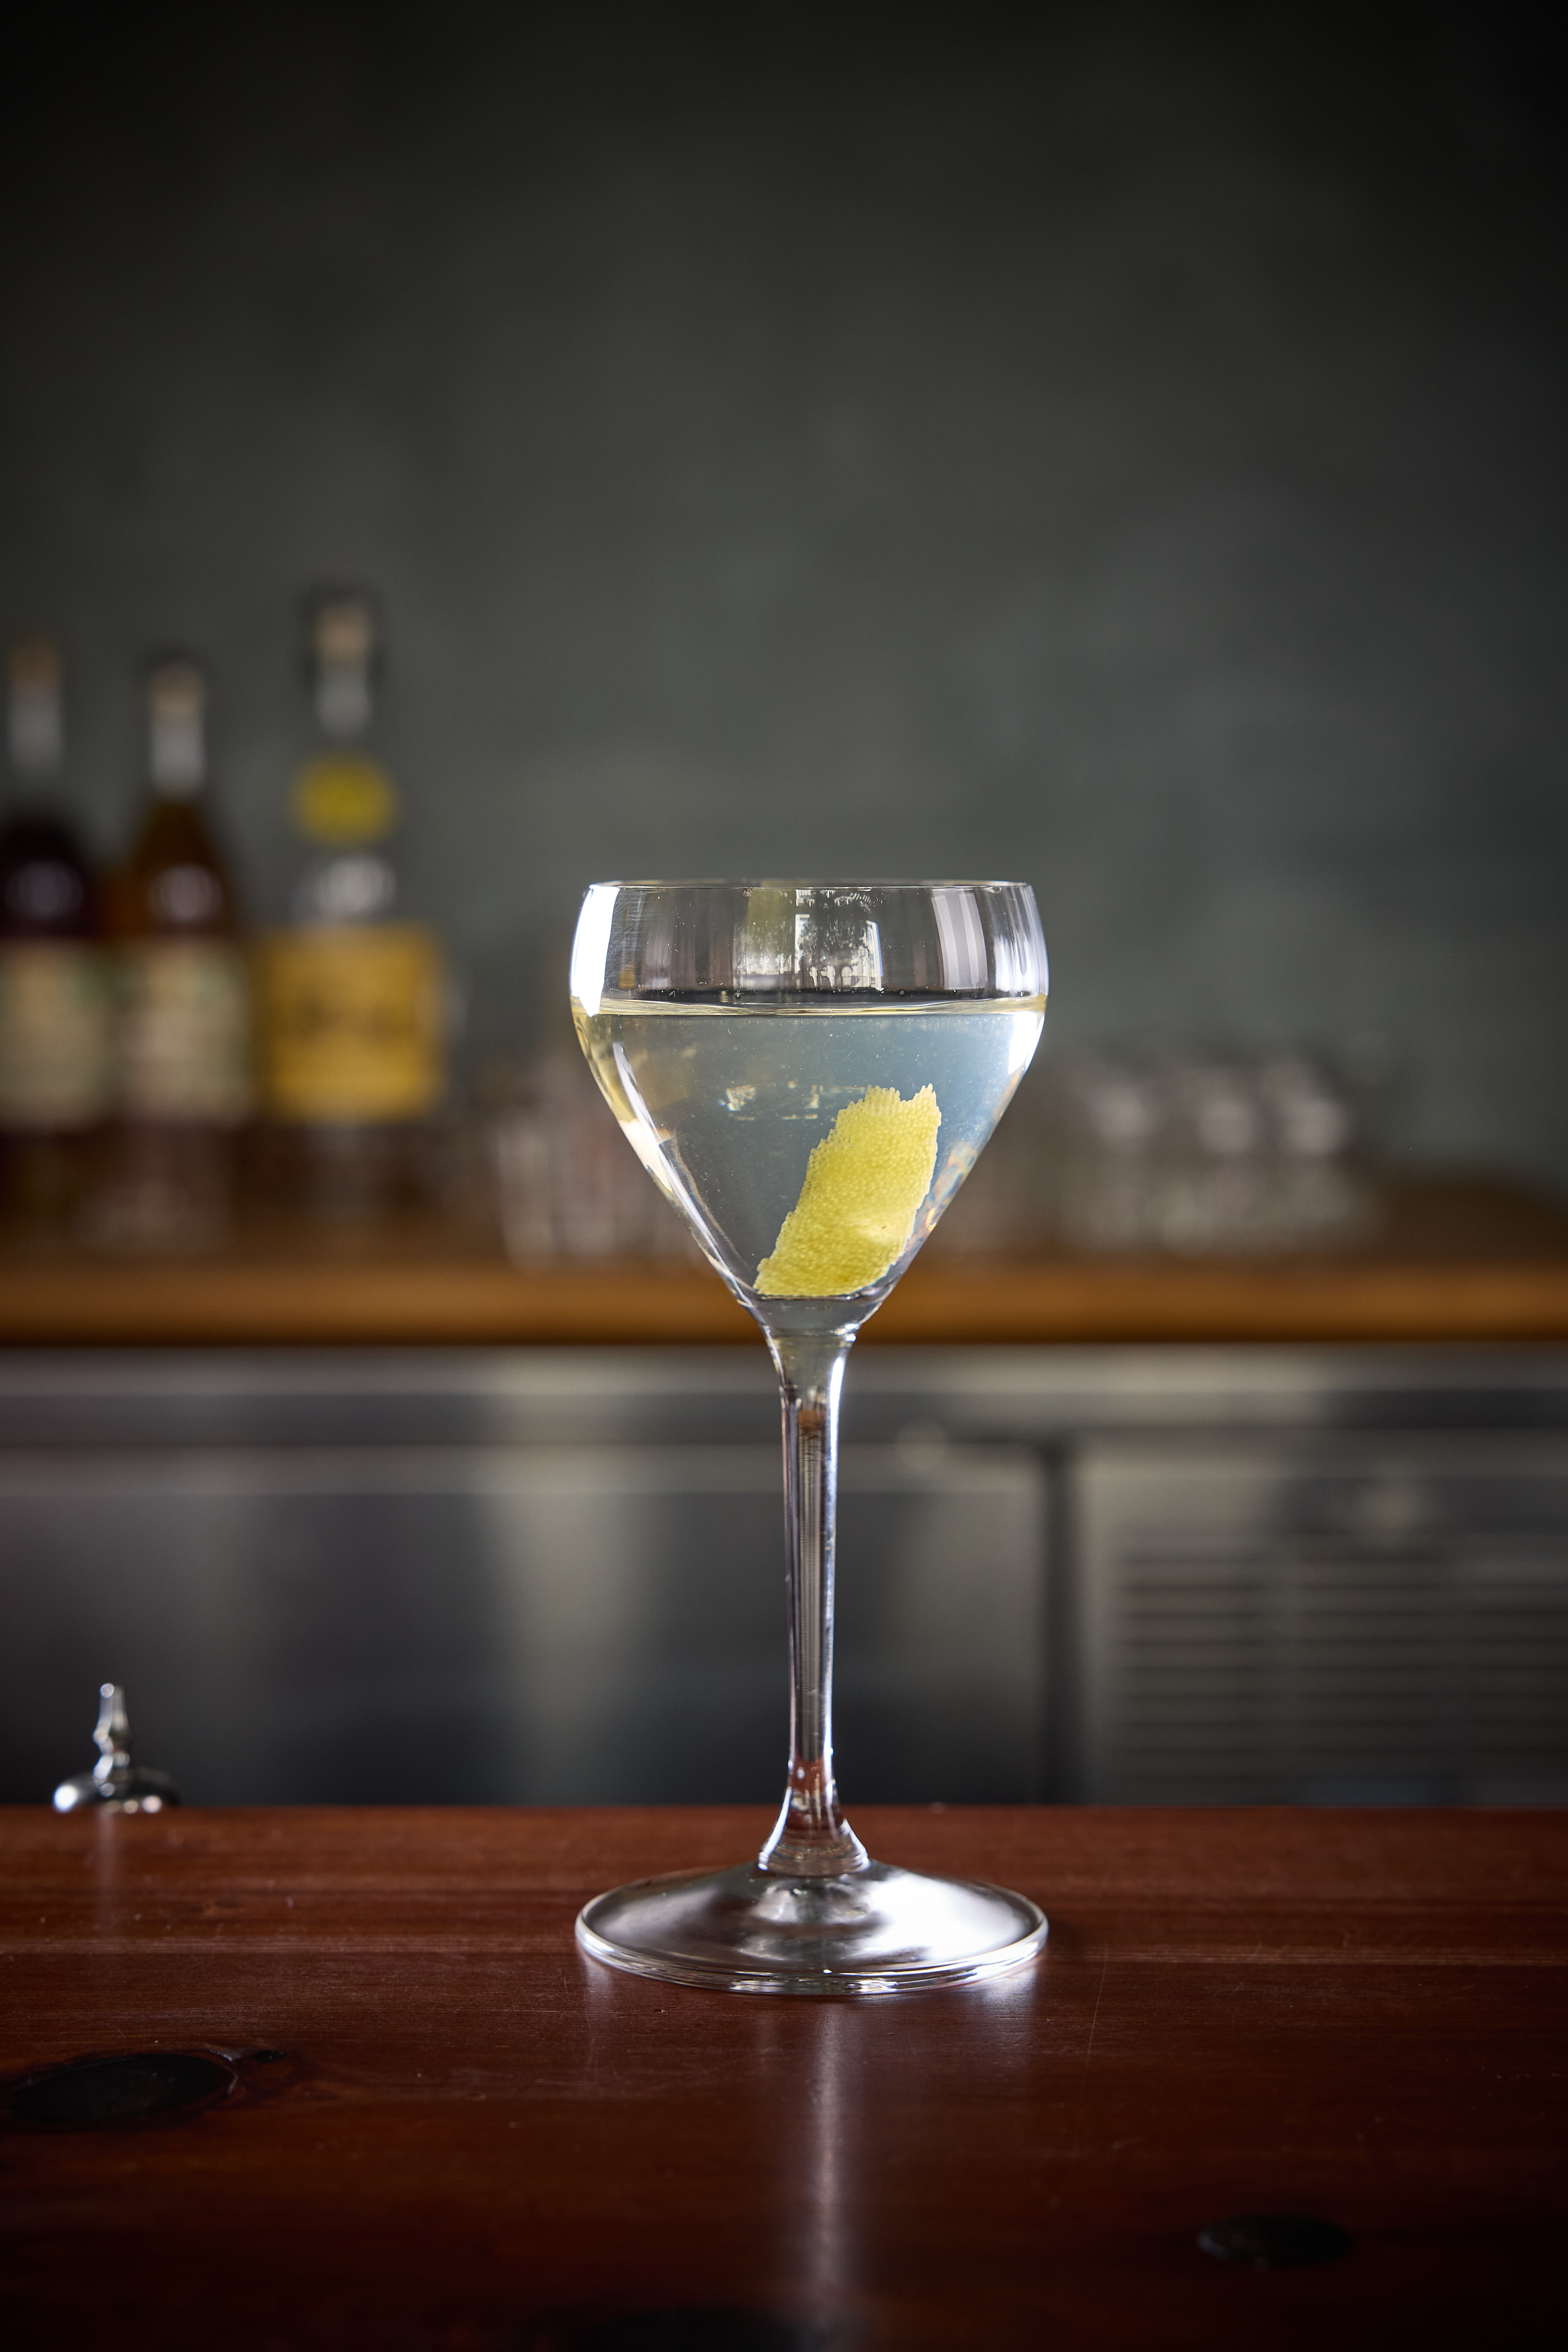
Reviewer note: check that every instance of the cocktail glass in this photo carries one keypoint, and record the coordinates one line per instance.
(809, 1070)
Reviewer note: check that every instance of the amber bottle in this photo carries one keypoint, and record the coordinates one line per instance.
(184, 1075)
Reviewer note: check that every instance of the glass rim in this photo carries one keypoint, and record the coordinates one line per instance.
(809, 882)
(985, 939)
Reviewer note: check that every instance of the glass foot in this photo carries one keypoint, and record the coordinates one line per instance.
(873, 1930)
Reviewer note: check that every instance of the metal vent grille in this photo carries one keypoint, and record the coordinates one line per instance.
(1515, 1668)
(1336, 1626)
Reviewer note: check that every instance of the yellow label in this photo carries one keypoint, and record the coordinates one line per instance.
(57, 1036)
(185, 1032)
(353, 1022)
(343, 798)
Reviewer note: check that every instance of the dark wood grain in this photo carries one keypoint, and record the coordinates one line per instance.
(1459, 1262)
(474, 2134)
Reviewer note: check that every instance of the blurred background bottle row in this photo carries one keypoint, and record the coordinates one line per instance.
(162, 1063)
(169, 1066)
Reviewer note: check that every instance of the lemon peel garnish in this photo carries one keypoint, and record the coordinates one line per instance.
(864, 1186)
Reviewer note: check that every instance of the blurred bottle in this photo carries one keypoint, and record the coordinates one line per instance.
(183, 1083)
(56, 1032)
(353, 997)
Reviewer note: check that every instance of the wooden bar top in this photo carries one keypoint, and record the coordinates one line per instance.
(441, 2129)
(1459, 1262)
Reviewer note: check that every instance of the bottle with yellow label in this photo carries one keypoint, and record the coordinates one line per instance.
(183, 1083)
(352, 994)
(55, 1033)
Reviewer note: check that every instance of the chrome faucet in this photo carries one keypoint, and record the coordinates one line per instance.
(114, 1780)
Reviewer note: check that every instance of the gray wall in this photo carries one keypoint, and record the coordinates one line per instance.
(1118, 446)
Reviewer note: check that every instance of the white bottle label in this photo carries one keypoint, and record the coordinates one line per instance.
(185, 1032)
(57, 1036)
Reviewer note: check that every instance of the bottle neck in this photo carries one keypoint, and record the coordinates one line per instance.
(35, 717)
(342, 657)
(176, 754)
(342, 705)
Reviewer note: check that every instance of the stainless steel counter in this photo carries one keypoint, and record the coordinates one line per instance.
(1225, 1574)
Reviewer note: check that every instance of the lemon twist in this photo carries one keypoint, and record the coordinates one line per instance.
(864, 1186)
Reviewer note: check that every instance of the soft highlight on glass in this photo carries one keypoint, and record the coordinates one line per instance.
(809, 1070)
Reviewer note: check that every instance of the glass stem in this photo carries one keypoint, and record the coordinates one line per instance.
(810, 1838)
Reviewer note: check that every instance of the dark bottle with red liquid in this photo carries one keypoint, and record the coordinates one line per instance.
(56, 1022)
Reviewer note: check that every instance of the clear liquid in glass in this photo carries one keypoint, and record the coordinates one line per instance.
(724, 1104)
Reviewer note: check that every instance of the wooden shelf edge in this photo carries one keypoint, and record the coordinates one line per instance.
(260, 1305)
(1196, 1303)
(478, 1303)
